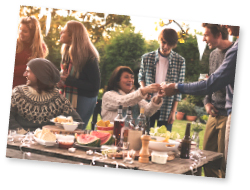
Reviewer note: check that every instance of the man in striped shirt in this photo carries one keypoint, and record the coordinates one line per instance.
(163, 65)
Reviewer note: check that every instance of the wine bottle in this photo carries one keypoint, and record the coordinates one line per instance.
(141, 121)
(128, 120)
(118, 124)
(186, 143)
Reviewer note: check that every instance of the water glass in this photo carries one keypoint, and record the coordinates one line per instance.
(11, 135)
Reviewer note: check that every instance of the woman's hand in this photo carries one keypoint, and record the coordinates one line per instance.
(64, 76)
(152, 88)
(60, 84)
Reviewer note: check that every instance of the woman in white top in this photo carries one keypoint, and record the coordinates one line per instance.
(120, 91)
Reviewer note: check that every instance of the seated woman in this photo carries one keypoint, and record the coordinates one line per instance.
(120, 91)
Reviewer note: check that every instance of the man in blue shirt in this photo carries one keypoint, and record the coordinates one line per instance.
(223, 76)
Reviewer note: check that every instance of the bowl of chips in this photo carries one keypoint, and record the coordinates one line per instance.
(105, 126)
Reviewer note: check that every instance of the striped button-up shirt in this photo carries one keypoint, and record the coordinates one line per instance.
(175, 74)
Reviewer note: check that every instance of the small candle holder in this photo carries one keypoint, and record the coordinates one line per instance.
(128, 156)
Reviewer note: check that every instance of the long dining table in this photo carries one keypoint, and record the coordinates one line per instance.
(35, 151)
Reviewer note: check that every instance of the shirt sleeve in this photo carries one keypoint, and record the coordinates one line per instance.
(141, 74)
(223, 76)
(178, 97)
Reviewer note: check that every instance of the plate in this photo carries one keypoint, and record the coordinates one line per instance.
(163, 146)
(88, 147)
(61, 125)
(45, 143)
(56, 123)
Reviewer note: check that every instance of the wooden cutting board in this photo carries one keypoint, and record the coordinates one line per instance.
(60, 130)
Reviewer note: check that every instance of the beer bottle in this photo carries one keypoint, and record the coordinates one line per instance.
(186, 143)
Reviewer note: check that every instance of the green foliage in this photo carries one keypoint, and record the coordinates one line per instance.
(124, 48)
(186, 107)
(98, 27)
(183, 106)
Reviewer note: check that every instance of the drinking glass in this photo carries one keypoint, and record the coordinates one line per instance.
(11, 135)
(128, 156)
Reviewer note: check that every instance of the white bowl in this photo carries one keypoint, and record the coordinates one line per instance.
(159, 157)
(70, 126)
(163, 146)
(43, 142)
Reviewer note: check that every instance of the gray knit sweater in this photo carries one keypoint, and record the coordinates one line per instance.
(30, 110)
(218, 98)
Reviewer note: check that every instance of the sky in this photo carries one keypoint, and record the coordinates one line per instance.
(147, 26)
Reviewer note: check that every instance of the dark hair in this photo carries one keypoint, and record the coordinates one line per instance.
(44, 87)
(235, 30)
(216, 29)
(113, 83)
(170, 35)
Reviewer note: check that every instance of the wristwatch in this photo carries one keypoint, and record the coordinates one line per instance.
(176, 86)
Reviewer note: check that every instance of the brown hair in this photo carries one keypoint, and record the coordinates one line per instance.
(81, 48)
(38, 46)
(216, 29)
(113, 83)
(44, 87)
(170, 35)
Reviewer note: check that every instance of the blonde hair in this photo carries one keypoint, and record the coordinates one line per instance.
(81, 48)
(38, 47)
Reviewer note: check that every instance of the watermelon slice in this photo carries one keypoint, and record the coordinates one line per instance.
(106, 138)
(88, 140)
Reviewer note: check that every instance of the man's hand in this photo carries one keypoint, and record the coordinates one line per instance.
(169, 89)
(171, 117)
(211, 110)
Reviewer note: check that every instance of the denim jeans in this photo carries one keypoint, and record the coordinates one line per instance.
(85, 108)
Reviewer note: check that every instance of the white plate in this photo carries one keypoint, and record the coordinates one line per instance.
(162, 146)
(56, 123)
(45, 143)
(61, 125)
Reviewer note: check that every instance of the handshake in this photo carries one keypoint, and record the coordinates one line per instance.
(162, 89)
(169, 89)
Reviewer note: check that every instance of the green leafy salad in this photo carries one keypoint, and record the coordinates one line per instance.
(163, 132)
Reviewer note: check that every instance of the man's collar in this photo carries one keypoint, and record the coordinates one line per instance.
(157, 53)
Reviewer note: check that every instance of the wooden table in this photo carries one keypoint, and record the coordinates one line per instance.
(56, 154)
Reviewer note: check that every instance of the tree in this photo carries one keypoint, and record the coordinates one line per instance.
(124, 48)
(97, 25)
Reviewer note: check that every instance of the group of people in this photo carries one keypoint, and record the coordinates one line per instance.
(48, 92)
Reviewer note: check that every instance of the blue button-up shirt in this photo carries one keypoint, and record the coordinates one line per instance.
(223, 76)
(175, 74)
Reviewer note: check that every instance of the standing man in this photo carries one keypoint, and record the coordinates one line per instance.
(163, 65)
(214, 138)
(223, 76)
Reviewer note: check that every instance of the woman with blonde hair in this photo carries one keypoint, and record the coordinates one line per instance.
(30, 45)
(80, 75)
